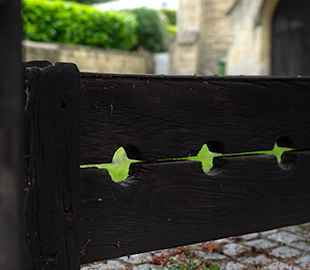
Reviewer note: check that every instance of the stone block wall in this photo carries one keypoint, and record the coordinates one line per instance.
(216, 35)
(89, 59)
(203, 36)
(250, 53)
(184, 47)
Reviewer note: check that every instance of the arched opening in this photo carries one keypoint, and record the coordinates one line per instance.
(265, 19)
(291, 38)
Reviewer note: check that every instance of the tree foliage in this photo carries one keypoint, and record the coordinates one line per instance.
(73, 23)
(90, 1)
(152, 30)
(171, 16)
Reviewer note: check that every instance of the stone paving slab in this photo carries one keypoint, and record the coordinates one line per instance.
(301, 246)
(284, 237)
(285, 252)
(286, 248)
(304, 261)
(137, 258)
(282, 266)
(211, 256)
(252, 260)
(261, 244)
(233, 249)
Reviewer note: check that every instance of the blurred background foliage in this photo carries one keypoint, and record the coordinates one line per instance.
(90, 1)
(73, 23)
(171, 21)
(69, 22)
(152, 31)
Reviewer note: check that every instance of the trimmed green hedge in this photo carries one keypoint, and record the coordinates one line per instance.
(73, 23)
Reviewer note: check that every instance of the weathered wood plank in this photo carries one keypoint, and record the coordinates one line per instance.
(51, 186)
(10, 136)
(169, 204)
(157, 117)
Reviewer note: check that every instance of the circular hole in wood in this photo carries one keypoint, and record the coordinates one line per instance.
(63, 105)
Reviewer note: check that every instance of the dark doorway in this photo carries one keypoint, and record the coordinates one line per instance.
(291, 38)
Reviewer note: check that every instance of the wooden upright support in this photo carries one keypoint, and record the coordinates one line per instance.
(51, 187)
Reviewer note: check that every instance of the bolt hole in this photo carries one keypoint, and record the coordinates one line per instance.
(68, 213)
(53, 256)
(63, 105)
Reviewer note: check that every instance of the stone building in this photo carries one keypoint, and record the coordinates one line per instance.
(258, 37)
(203, 37)
(271, 37)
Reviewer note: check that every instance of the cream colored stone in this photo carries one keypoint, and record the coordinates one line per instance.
(203, 37)
(250, 52)
(89, 59)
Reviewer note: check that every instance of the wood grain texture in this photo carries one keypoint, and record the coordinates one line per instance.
(157, 117)
(10, 136)
(51, 186)
(174, 203)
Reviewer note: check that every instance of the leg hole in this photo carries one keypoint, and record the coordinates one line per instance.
(285, 141)
(206, 157)
(288, 160)
(119, 167)
(132, 152)
(219, 166)
(215, 146)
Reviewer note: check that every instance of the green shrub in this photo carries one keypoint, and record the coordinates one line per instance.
(73, 23)
(152, 30)
(172, 29)
(171, 16)
(90, 2)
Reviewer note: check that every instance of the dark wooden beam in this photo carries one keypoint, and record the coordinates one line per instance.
(169, 204)
(165, 204)
(51, 186)
(10, 136)
(158, 117)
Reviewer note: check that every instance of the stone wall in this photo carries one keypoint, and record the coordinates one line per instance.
(203, 37)
(184, 47)
(208, 30)
(91, 59)
(216, 35)
(250, 53)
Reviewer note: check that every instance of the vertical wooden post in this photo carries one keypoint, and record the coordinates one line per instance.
(10, 135)
(51, 199)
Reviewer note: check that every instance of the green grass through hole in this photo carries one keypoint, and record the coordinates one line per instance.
(119, 167)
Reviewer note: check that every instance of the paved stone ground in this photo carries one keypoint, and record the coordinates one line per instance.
(282, 249)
